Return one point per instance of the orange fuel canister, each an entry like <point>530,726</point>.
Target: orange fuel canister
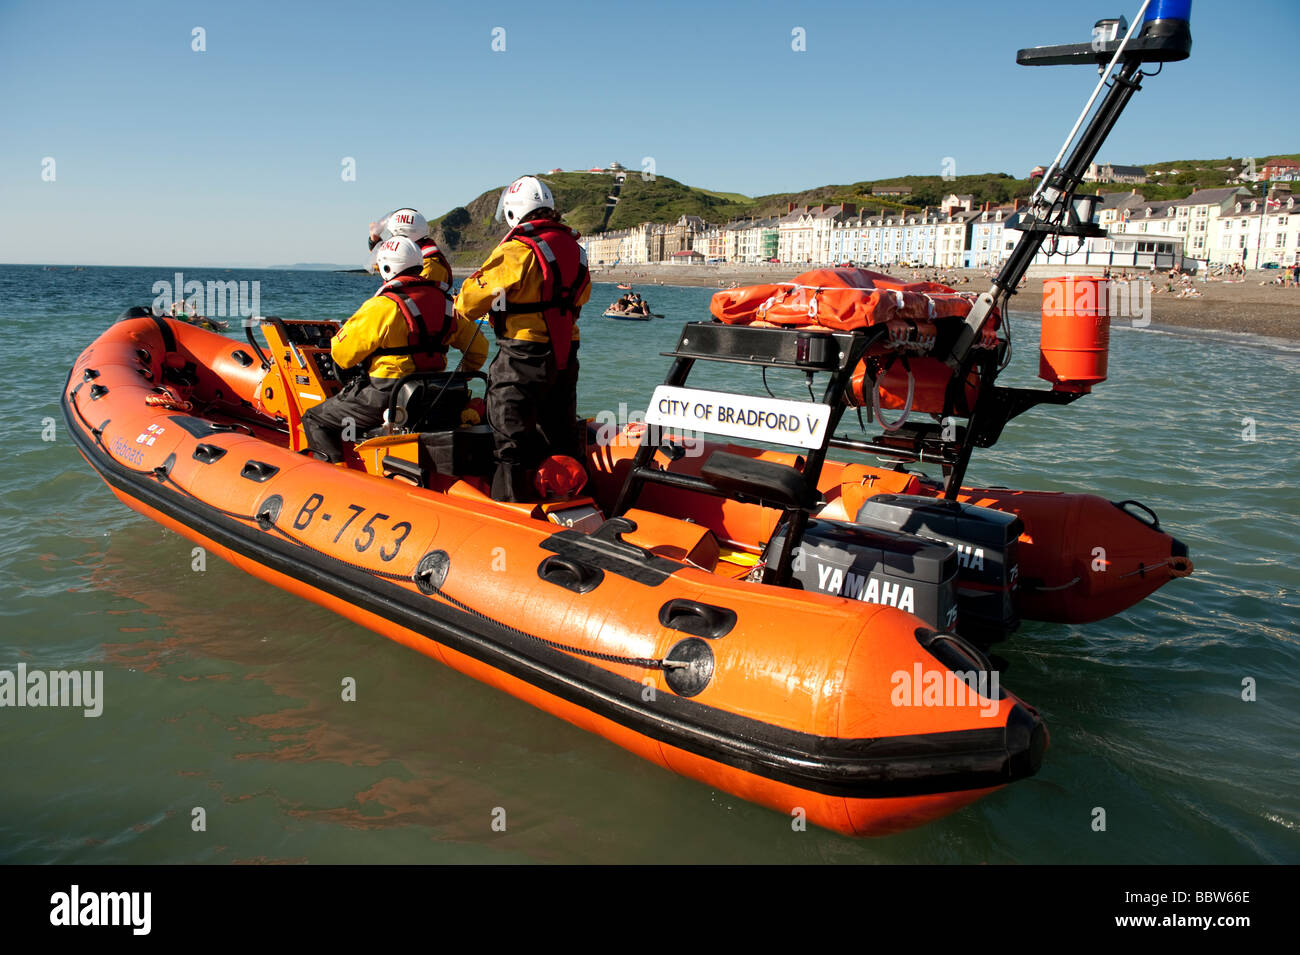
<point>1076,332</point>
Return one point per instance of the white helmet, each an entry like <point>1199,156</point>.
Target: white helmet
<point>407,222</point>
<point>394,256</point>
<point>521,197</point>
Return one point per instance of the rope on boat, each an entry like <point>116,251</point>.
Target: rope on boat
<point>907,407</point>
<point>1178,567</point>
<point>165,399</point>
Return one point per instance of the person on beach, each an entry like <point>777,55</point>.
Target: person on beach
<point>406,327</point>
<point>533,285</point>
<point>408,223</point>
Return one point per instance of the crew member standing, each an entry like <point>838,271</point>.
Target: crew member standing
<point>406,327</point>
<point>410,224</point>
<point>533,286</point>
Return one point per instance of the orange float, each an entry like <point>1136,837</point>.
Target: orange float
<point>1075,341</point>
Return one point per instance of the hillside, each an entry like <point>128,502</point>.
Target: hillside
<point>1182,177</point>
<point>467,232</point>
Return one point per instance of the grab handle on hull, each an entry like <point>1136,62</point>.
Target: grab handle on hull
<point>208,453</point>
<point>698,619</point>
<point>1154,523</point>
<point>570,574</point>
<point>258,471</point>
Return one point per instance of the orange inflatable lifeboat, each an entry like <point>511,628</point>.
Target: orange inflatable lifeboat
<point>659,633</point>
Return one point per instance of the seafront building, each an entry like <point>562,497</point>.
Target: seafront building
<point>988,249</point>
<point>756,240</point>
<point>1223,226</point>
<point>1254,234</point>
<point>794,236</point>
<point>952,237</point>
<point>1213,227</point>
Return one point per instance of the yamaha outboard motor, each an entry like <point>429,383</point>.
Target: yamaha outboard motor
<point>875,566</point>
<point>987,546</point>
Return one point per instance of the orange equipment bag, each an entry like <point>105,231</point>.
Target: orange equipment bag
<point>842,299</point>
<point>906,375</point>
<point>926,378</point>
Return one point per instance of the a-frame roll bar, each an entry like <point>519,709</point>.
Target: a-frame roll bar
<point>1165,37</point>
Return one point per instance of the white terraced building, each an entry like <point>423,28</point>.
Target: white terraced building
<point>886,240</point>
<point>825,222</point>
<point>951,239</point>
<point>849,240</point>
<point>1195,219</point>
<point>794,243</point>
<point>988,248</point>
<point>920,233</point>
<point>1158,234</point>
<point>1249,234</point>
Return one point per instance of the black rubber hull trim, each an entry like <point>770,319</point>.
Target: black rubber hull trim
<point>165,329</point>
<point>869,768</point>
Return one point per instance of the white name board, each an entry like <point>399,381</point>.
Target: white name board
<point>798,423</point>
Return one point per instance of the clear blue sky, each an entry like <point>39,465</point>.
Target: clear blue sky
<point>166,156</point>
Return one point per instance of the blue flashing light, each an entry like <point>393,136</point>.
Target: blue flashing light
<point>1169,10</point>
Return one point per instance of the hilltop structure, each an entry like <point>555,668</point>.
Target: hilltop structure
<point>1280,170</point>
<point>1103,172</point>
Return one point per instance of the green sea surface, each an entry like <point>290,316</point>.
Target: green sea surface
<point>222,693</point>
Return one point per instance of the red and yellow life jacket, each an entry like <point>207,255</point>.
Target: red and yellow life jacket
<point>430,321</point>
<point>563,263</point>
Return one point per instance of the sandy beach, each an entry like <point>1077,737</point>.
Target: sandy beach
<point>1255,305</point>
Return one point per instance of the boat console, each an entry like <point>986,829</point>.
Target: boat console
<point>300,373</point>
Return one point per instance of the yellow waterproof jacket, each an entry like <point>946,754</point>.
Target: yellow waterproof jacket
<point>436,267</point>
<point>511,269</point>
<point>379,324</point>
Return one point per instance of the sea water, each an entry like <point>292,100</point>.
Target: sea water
<point>224,735</point>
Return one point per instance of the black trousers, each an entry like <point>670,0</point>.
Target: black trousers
<point>361,402</point>
<point>532,407</point>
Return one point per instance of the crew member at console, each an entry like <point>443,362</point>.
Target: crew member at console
<point>533,286</point>
<point>406,327</point>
